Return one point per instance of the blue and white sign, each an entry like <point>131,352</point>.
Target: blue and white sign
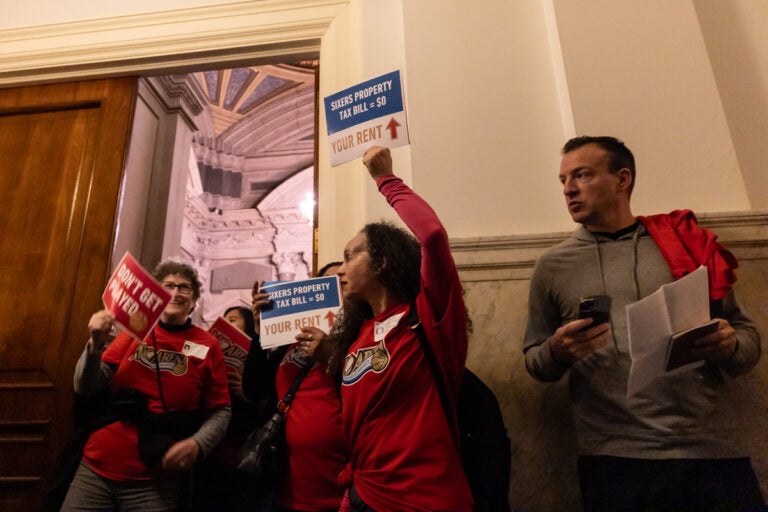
<point>365,115</point>
<point>296,304</point>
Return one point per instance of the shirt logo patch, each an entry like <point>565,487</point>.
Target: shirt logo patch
<point>359,363</point>
<point>375,359</point>
<point>297,357</point>
<point>165,360</point>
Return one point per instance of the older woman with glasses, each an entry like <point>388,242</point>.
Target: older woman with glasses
<point>170,401</point>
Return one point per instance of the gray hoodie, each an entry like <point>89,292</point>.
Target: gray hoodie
<point>677,416</point>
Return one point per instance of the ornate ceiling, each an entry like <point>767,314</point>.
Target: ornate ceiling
<point>253,155</point>
<point>256,132</point>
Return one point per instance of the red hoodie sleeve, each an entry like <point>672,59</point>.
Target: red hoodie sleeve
<point>686,245</point>
<point>438,271</point>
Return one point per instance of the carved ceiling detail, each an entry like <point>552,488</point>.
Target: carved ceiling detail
<point>251,168</point>
<point>256,131</point>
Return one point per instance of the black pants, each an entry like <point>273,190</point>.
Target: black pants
<point>617,484</point>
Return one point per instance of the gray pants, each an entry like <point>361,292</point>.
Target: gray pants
<point>91,492</point>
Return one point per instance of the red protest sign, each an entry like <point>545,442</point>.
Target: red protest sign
<point>134,297</point>
<point>234,342</point>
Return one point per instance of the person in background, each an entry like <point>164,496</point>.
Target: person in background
<point>219,485</point>
<point>242,318</point>
<point>316,448</point>
<point>403,450</point>
<point>174,382</point>
<point>670,446</point>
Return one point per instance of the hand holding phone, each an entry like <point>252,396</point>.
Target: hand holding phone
<point>596,307</point>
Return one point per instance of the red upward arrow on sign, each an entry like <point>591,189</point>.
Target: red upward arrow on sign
<point>392,127</point>
<point>331,317</point>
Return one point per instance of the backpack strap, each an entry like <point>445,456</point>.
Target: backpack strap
<point>414,322</point>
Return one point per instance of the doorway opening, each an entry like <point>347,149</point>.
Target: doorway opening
<point>222,165</point>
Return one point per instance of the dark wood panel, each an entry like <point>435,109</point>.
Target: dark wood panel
<point>61,164</point>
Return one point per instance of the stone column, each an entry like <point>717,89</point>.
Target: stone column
<point>287,264</point>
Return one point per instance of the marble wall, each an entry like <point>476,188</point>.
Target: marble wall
<point>496,275</point>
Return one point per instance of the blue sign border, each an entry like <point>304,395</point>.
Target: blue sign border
<point>301,301</point>
<point>363,102</point>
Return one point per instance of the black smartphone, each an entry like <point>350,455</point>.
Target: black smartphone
<point>596,307</point>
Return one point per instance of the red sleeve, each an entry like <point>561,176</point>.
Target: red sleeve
<point>438,271</point>
<point>440,303</point>
<point>116,350</point>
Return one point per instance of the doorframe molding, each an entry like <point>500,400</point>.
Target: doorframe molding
<point>168,41</point>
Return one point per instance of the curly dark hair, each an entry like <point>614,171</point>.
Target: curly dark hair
<point>170,267</point>
<point>396,259</point>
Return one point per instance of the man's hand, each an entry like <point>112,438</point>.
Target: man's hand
<point>378,160</point>
<point>100,327</point>
<point>576,340</point>
<point>717,347</point>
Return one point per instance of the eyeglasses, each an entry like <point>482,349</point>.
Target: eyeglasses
<point>184,289</point>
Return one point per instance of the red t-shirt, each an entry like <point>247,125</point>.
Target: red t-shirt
<point>317,452</point>
<point>403,453</point>
<point>193,376</point>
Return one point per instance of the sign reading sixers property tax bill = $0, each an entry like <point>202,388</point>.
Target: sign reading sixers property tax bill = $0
<point>296,304</point>
<point>365,115</point>
<point>134,297</point>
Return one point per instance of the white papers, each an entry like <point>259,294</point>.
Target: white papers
<point>674,307</point>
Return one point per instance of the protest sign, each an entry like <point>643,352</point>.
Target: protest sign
<point>134,297</point>
<point>234,343</point>
<point>309,303</point>
<point>365,115</point>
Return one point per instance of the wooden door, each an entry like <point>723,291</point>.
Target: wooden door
<point>62,150</point>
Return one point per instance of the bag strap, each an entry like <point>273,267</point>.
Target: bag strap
<point>157,371</point>
<point>285,404</point>
<point>414,322</point>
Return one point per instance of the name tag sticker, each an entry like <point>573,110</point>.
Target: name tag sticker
<point>381,329</point>
<point>192,349</point>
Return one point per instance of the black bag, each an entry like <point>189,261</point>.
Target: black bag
<point>264,454</point>
<point>486,450</point>
<point>485,446</point>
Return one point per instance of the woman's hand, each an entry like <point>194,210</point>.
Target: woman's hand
<point>309,338</point>
<point>181,456</point>
<point>378,160</point>
<point>100,327</point>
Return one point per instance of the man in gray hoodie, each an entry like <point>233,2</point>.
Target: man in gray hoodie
<point>669,446</point>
